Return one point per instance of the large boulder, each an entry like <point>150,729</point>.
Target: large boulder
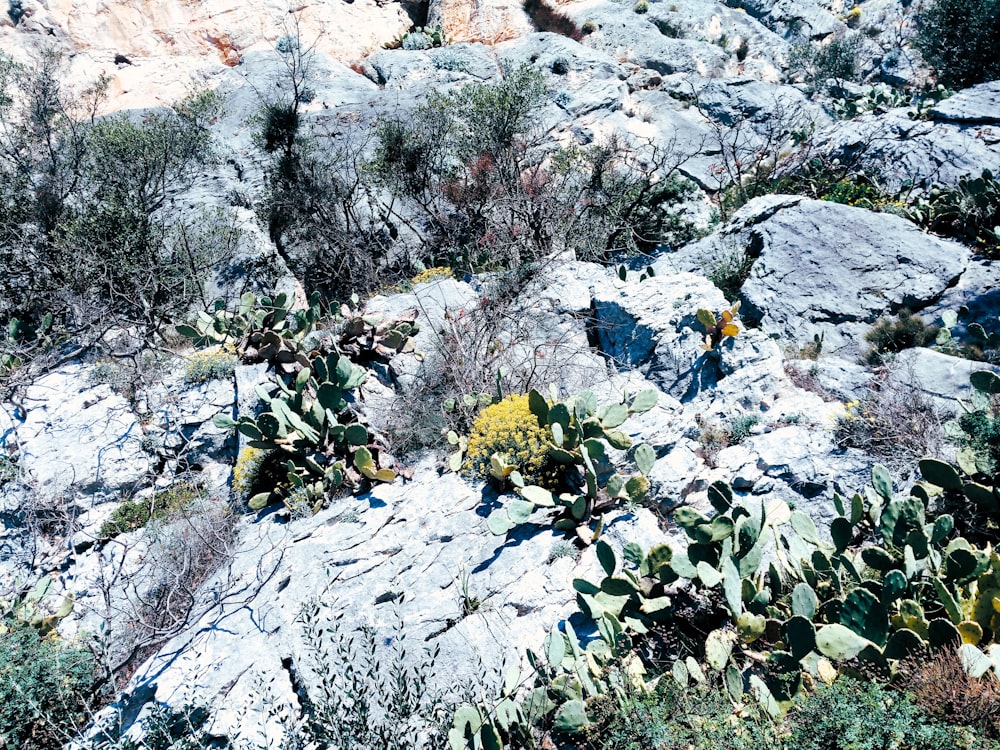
<point>823,268</point>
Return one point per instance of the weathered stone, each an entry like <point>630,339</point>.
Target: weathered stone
<point>830,269</point>
<point>979,105</point>
<point>74,433</point>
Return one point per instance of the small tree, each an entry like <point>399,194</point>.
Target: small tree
<point>960,40</point>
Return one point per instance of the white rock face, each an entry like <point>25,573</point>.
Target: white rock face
<point>154,51</point>
<point>399,553</point>
<point>71,433</point>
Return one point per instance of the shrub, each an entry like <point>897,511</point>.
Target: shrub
<point>960,39</point>
<point>668,28</point>
<point>15,11</point>
<point>858,191</point>
<point>641,6</point>
<point>134,514</point>
<point>729,273</point>
<point>889,336</point>
<point>742,427</point>
<point>44,688</point>
<point>892,421</point>
<point>246,472</point>
<point>865,716</point>
<point>371,691</point>
<point>8,468</point>
<point>676,718</point>
<point>210,364</point>
<point>945,691</point>
<point>510,429</point>
<point>836,60</point>
<point>981,429</point>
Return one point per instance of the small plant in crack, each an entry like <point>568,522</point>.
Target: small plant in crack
<point>470,603</point>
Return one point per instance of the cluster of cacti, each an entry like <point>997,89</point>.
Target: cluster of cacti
<point>507,723</point>
<point>970,210</point>
<point>975,336</point>
<point>373,337</point>
<point>419,37</point>
<point>263,329</point>
<point>311,430</point>
<point>718,327</point>
<point>28,608</point>
<point>578,434</point>
<point>978,433</point>
<point>894,581</point>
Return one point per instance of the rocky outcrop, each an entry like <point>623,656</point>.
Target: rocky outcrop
<point>822,268</point>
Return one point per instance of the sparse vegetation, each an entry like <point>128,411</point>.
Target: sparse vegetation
<point>134,514</point>
<point>45,688</point>
<point>888,336</point>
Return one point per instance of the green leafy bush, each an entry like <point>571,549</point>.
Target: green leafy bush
<point>44,688</point>
<point>85,234</point>
<point>837,60</point>
<point>960,39</point>
<point>681,718</point>
<point>866,716</point>
<point>134,514</point>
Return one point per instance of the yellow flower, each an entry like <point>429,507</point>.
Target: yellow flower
<point>510,429</point>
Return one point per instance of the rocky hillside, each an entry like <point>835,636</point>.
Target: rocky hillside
<point>742,255</point>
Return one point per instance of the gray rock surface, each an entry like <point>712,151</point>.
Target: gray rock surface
<point>399,553</point>
<point>940,378</point>
<point>830,269</point>
<point>979,105</point>
<point>74,433</point>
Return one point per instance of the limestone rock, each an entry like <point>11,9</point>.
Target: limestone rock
<point>830,269</point>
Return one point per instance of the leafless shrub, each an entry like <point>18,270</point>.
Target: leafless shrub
<point>508,343</point>
<point>151,583</point>
<point>893,421</point>
<point>943,689</point>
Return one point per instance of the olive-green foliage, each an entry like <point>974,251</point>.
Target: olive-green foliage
<point>974,342</point>
<point>84,229</point>
<point>44,688</point>
<point>889,336</point>
<point>471,161</point>
<point>371,692</point>
<point>134,514</point>
<point>837,59</point>
<point>210,365</point>
<point>968,210</point>
<point>741,427</point>
<point>311,430</point>
<point>857,715</point>
<point>960,39</point>
<point>8,468</point>
<point>676,718</point>
<point>729,272</point>
<point>856,191</point>
<point>895,580</point>
<point>166,729</point>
